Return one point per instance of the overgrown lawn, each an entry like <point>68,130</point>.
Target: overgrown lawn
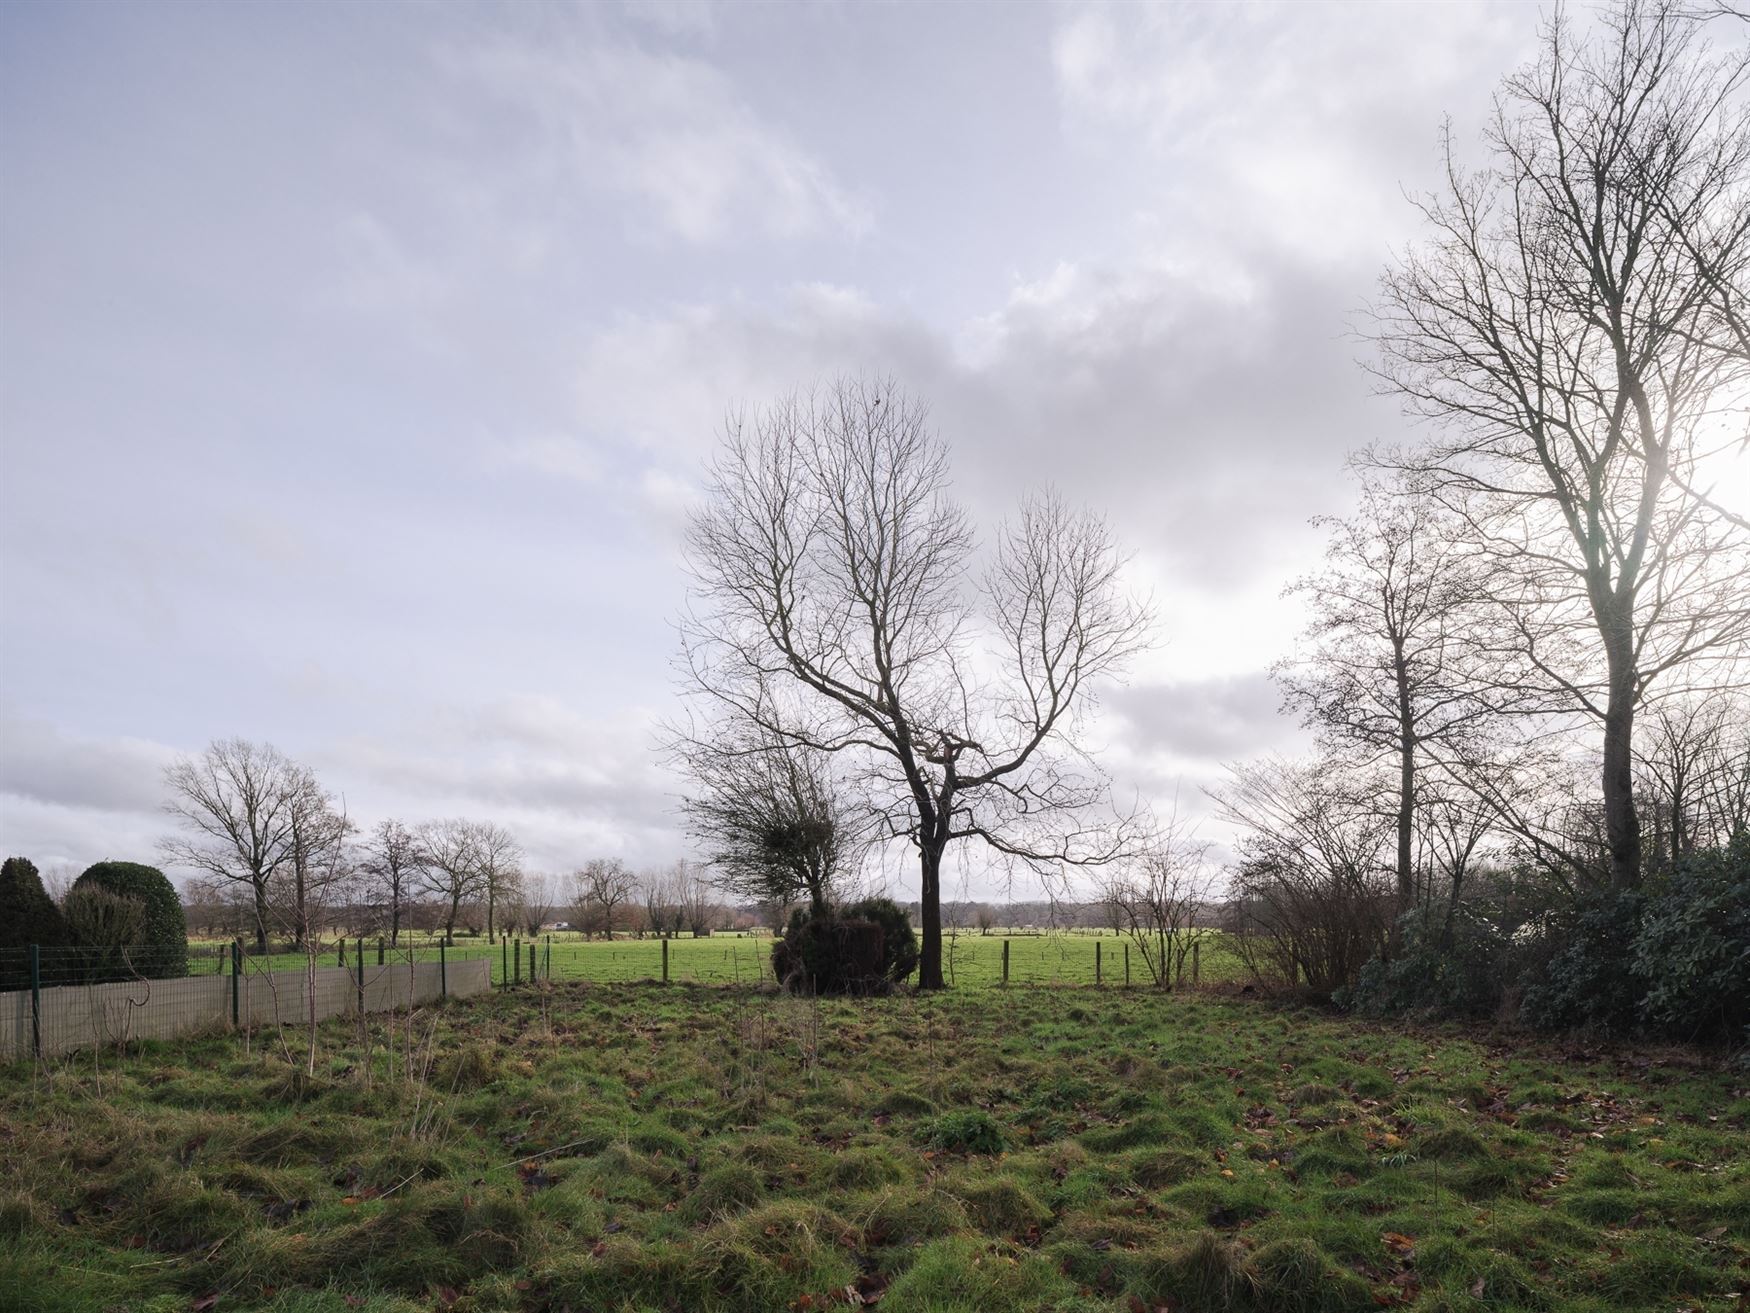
<point>640,1147</point>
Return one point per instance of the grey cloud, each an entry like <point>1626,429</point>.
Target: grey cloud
<point>1212,720</point>
<point>42,763</point>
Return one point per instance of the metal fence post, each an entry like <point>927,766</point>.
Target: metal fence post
<point>516,957</point>
<point>379,950</point>
<point>236,971</point>
<point>36,1000</point>
<point>547,959</point>
<point>503,961</point>
<point>444,972</point>
<point>665,961</point>
<point>361,966</point>
<point>531,961</point>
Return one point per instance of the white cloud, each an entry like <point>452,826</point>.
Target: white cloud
<point>669,130</point>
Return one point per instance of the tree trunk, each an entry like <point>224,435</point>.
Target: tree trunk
<point>930,907</point>
<point>260,888</point>
<point>1622,827</point>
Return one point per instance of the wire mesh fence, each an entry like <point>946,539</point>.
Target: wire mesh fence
<point>60,1000</point>
<point>55,1001</point>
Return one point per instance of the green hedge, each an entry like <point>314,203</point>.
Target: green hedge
<point>163,948</point>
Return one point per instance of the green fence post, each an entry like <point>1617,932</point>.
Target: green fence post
<point>1196,952</point>
<point>444,972</point>
<point>516,957</point>
<point>379,950</point>
<point>360,956</point>
<point>1005,961</point>
<point>236,971</point>
<point>547,959</point>
<point>36,1000</point>
<point>1127,966</point>
<point>665,961</point>
<point>503,961</point>
<point>1096,961</point>
<point>531,961</point>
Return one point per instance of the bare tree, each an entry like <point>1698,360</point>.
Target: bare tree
<point>537,896</point>
<point>450,867</point>
<point>1312,892</point>
<point>319,829</point>
<point>1570,328</point>
<point>500,858</point>
<point>391,862</point>
<point>770,817</point>
<point>1388,671</point>
<point>837,607</point>
<point>1694,766</point>
<point>602,885</point>
<point>1153,899</point>
<point>238,802</point>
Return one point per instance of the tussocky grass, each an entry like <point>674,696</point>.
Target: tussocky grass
<point>580,1147</point>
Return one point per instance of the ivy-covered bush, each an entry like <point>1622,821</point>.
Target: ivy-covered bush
<point>1693,952</point>
<point>1451,962</point>
<point>27,916</point>
<point>162,950</point>
<point>829,953</point>
<point>865,948</point>
<point>1586,982</point>
<point>899,944</point>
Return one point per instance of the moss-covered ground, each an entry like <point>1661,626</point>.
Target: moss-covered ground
<point>592,1148</point>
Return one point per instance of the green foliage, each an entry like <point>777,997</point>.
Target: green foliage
<point>1693,951</point>
<point>865,948</point>
<point>110,930</point>
<point>1450,962</point>
<point>899,945</point>
<point>1586,983</point>
<point>27,916</point>
<point>163,947</point>
<point>968,1131</point>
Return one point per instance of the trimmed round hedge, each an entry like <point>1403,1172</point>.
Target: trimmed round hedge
<point>163,947</point>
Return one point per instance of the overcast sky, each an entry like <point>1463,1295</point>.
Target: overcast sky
<point>357,361</point>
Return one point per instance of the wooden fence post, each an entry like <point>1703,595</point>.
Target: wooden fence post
<point>516,958</point>
<point>1005,961</point>
<point>531,961</point>
<point>1196,955</point>
<point>1096,961</point>
<point>236,971</point>
<point>1127,966</point>
<point>665,961</point>
<point>444,972</point>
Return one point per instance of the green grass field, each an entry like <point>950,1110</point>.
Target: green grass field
<point>649,1148</point>
<point>969,960</point>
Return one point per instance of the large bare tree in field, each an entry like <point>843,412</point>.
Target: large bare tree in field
<point>1573,326</point>
<point>839,606</point>
<point>1388,670</point>
<point>238,803</point>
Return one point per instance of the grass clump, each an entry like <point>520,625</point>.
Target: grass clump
<point>723,1191</point>
<point>1003,1206</point>
<point>968,1131</point>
